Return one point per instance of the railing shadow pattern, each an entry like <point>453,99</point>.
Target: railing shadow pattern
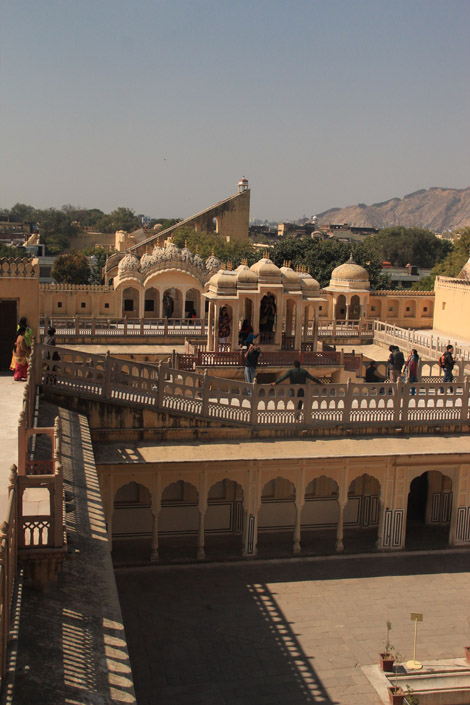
<point>199,394</point>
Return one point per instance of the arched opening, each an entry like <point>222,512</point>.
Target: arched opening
<point>355,308</point>
<point>191,304</point>
<point>375,308</point>
<point>224,328</point>
<point>429,511</point>
<point>288,335</point>
<point>172,303</point>
<point>178,522</point>
<point>340,309</point>
<point>132,524</point>
<point>223,522</point>
<point>267,318</point>
<point>276,518</point>
<point>151,307</point>
<point>361,515</point>
<point>130,302</point>
<point>319,517</point>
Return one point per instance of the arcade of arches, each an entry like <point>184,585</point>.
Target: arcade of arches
<point>275,507</point>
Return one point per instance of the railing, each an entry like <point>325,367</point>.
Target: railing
<point>426,344</point>
<point>345,329</point>
<point>275,358</point>
<point>8,561</point>
<point>194,394</point>
<point>115,327</point>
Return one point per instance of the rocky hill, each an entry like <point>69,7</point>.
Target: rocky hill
<point>436,209</point>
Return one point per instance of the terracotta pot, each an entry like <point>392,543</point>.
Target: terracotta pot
<point>467,653</point>
<point>396,695</point>
<point>386,662</point>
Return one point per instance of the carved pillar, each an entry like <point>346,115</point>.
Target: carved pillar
<point>340,530</point>
<point>210,326</point>
<point>380,531</point>
<point>250,524</point>
<point>235,324</point>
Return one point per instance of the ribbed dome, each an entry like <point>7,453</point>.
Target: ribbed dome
<point>129,263</point>
<point>223,279</point>
<point>245,276</point>
<point>171,252</point>
<point>147,261</point>
<point>198,261</point>
<point>158,251</point>
<point>290,279</point>
<point>350,271</point>
<point>308,283</point>
<point>186,255</point>
<point>213,263</point>
<point>266,270</point>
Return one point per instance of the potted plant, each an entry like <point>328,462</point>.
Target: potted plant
<point>386,657</point>
<point>396,693</point>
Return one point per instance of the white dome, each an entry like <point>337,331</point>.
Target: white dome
<point>129,263</point>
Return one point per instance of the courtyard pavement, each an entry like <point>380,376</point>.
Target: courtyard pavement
<point>287,632</point>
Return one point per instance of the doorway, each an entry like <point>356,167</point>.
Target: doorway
<point>8,323</point>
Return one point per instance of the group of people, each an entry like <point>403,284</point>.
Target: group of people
<point>397,366</point>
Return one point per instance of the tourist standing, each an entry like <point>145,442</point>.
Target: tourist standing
<point>28,334</point>
<point>297,375</point>
<point>412,367</point>
<point>20,356</point>
<point>372,374</point>
<point>251,363</point>
<point>448,363</point>
<point>395,362</point>
<point>224,325</point>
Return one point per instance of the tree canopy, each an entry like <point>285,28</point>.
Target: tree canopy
<point>402,246</point>
<point>71,269</point>
<point>322,256</point>
<point>121,218</point>
<point>452,264</point>
<point>206,243</point>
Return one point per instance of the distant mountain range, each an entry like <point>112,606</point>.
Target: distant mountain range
<point>436,209</point>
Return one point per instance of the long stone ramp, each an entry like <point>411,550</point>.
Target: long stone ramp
<point>72,647</point>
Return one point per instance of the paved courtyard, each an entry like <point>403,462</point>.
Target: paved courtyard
<point>287,632</point>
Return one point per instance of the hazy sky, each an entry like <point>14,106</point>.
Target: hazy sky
<point>162,105</point>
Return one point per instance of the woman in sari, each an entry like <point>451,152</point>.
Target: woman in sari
<point>20,356</point>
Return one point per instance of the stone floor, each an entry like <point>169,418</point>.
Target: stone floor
<point>287,632</point>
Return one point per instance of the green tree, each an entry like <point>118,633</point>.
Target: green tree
<point>87,217</point>
<point>100,255</point>
<point>402,246</point>
<point>206,243</point>
<point>15,252</point>
<point>56,229</point>
<point>452,265</point>
<point>121,218</point>
<point>321,257</point>
<point>71,269</point>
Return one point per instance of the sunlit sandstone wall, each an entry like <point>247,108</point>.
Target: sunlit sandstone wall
<point>452,307</point>
<point>19,282</point>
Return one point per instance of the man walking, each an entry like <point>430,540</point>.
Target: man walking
<point>297,375</point>
<point>448,364</point>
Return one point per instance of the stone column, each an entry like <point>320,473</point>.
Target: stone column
<point>154,557</point>
<point>340,530</point>
<point>210,324</point>
<point>201,554</point>
<point>305,330</point>
<point>380,530</point>
<point>255,302</point>
<point>235,324</point>
<point>297,530</point>
<point>141,311</point>
<point>298,326</point>
<point>347,310</point>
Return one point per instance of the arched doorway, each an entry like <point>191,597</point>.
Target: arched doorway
<point>132,524</point>
<point>319,517</point>
<point>151,307</point>
<point>191,304</point>
<point>355,308</point>
<point>276,518</point>
<point>267,318</point>
<point>340,310</point>
<point>429,511</point>
<point>223,523</point>
<point>130,303</point>
<point>361,515</point>
<point>178,522</point>
<point>172,303</point>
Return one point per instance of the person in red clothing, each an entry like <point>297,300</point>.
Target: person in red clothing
<point>412,367</point>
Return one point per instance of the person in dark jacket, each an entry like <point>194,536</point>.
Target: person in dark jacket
<point>449,362</point>
<point>372,374</point>
<point>251,362</point>
<point>297,375</point>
